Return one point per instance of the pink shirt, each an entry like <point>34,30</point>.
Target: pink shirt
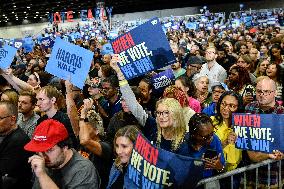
<point>194,104</point>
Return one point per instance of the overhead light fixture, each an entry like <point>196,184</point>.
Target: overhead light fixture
<point>40,17</point>
<point>25,12</point>
<point>16,18</point>
<point>14,6</point>
<point>37,12</point>
<point>28,7</point>
<point>26,17</point>
<point>3,14</point>
<point>47,12</point>
<point>35,17</point>
<point>13,12</point>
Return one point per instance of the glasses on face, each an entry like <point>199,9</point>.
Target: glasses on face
<point>162,113</point>
<point>196,67</point>
<point>232,107</point>
<point>264,92</point>
<point>5,117</point>
<point>207,137</point>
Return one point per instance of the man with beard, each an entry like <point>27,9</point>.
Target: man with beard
<point>110,91</point>
<point>27,118</point>
<point>56,165</point>
<point>212,69</point>
<point>177,69</point>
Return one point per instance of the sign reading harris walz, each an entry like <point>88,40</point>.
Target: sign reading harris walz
<point>143,49</point>
<point>259,132</point>
<point>69,61</point>
<point>152,167</point>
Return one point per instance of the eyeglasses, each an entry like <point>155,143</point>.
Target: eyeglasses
<point>232,107</point>
<point>264,92</point>
<point>206,138</point>
<point>162,113</point>
<point>193,66</point>
<point>5,117</point>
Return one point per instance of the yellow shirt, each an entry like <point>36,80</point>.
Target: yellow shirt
<point>233,156</point>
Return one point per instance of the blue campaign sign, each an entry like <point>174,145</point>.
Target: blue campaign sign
<point>1,42</point>
<point>151,167</point>
<point>161,80</point>
<point>7,54</point>
<point>248,21</point>
<point>259,132</point>
<point>47,42</point>
<point>69,61</point>
<point>167,25</point>
<point>18,43</point>
<point>107,49</point>
<point>143,49</point>
<point>191,25</point>
<point>28,44</point>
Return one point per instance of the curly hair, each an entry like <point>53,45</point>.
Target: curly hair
<point>174,92</point>
<point>243,78</point>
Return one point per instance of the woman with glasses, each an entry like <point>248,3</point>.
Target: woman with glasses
<point>229,103</point>
<point>239,81</point>
<point>203,143</point>
<point>168,130</point>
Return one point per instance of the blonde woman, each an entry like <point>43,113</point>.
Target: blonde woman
<point>168,130</point>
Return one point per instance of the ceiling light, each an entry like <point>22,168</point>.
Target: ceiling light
<point>40,17</point>
<point>47,12</point>
<point>3,14</point>
<point>37,12</point>
<point>25,12</point>
<point>35,17</point>
<point>28,7</point>
<point>14,6</point>
<point>26,17</point>
<point>16,18</point>
<point>13,12</point>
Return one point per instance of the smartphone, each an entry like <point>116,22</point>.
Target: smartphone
<point>210,154</point>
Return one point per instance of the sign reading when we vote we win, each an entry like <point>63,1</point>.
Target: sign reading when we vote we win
<point>143,49</point>
<point>151,167</point>
<point>69,61</point>
<point>259,132</point>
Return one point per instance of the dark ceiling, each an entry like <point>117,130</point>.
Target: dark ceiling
<point>14,12</point>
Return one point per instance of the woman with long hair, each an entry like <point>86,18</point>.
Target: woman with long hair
<point>273,72</point>
<point>239,81</point>
<point>261,68</point>
<point>123,145</point>
<point>229,103</point>
<point>168,130</point>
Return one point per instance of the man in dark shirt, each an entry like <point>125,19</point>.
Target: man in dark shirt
<point>14,168</point>
<point>49,101</point>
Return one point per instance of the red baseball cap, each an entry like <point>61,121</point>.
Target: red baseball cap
<point>46,135</point>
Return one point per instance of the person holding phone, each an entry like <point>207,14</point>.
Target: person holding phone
<point>203,143</point>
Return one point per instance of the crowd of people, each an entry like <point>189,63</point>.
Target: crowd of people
<point>54,135</point>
